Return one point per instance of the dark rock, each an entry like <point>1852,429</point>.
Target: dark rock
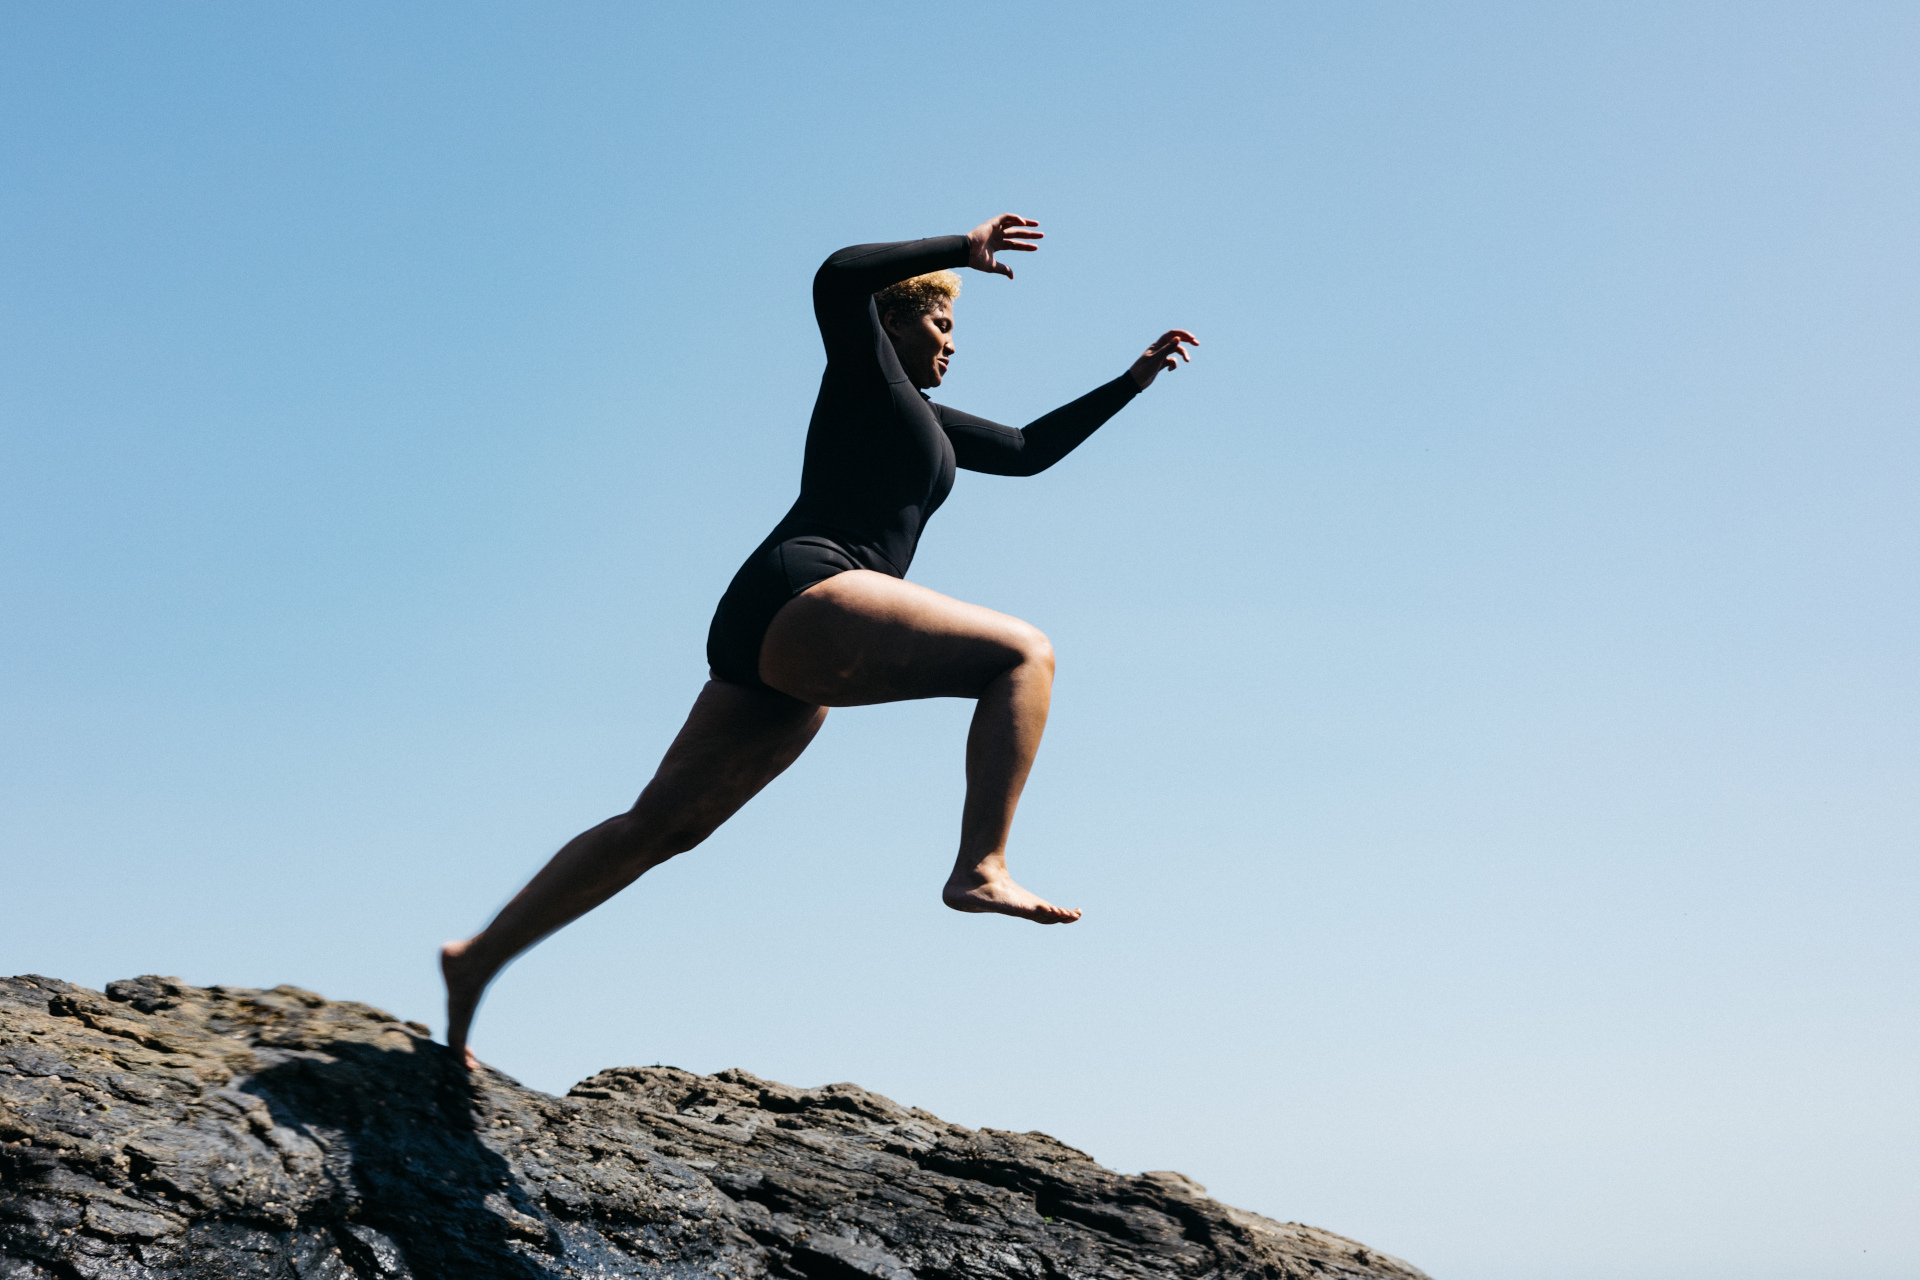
<point>161,1131</point>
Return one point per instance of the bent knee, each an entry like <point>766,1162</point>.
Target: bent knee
<point>673,844</point>
<point>646,844</point>
<point>1034,649</point>
<point>676,841</point>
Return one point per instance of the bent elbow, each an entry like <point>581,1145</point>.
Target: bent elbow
<point>839,270</point>
<point>827,281</point>
<point>832,280</point>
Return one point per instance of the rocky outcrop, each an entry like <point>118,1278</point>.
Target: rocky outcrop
<point>163,1130</point>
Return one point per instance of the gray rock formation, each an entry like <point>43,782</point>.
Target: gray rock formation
<point>162,1130</point>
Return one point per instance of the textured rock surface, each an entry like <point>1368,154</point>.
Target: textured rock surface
<point>162,1130</point>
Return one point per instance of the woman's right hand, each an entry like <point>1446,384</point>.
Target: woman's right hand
<point>997,234</point>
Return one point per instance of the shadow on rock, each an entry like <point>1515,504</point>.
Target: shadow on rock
<point>171,1132</point>
<point>419,1191</point>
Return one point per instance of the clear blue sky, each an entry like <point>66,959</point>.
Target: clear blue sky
<point>1486,742</point>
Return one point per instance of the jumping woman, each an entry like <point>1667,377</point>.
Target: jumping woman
<point>821,614</point>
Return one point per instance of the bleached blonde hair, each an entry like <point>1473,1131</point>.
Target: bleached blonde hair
<point>919,295</point>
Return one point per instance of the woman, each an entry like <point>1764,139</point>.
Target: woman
<point>821,615</point>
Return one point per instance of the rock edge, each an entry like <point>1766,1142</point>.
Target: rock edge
<point>160,1130</point>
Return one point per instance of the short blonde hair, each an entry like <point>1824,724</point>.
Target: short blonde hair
<point>919,295</point>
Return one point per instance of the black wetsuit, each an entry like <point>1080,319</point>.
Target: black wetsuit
<point>880,455</point>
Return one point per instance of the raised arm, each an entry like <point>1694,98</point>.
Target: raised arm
<point>980,445</point>
<point>848,280</point>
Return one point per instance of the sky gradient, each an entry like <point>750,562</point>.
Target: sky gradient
<point>1486,738</point>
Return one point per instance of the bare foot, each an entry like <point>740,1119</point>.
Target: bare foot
<point>994,890</point>
<point>465,985</point>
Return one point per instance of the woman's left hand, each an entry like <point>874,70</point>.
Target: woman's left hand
<point>996,236</point>
<point>1161,355</point>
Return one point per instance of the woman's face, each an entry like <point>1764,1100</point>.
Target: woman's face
<point>924,343</point>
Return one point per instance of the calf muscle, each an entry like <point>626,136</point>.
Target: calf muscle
<point>862,637</point>
<point>735,742</point>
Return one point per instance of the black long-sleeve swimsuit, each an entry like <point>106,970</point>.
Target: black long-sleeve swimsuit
<point>880,456</point>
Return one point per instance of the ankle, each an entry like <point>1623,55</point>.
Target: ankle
<point>980,870</point>
<point>467,955</point>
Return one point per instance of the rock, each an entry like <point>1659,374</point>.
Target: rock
<point>161,1131</point>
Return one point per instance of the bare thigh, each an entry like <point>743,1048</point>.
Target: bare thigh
<point>735,741</point>
<point>862,637</point>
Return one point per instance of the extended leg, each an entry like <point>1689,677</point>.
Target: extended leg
<point>735,741</point>
<point>862,637</point>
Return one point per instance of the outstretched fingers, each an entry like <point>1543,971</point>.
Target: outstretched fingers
<point>1006,231</point>
<point>1165,352</point>
<point>1014,233</point>
<point>1169,344</point>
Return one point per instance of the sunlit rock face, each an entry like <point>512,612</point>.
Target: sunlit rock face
<point>162,1130</point>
